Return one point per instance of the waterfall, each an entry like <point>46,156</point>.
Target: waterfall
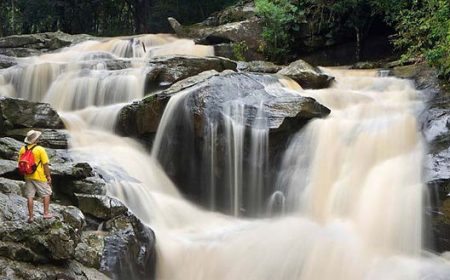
<point>348,198</point>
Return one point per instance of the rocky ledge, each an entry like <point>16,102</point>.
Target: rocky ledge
<point>435,122</point>
<point>92,235</point>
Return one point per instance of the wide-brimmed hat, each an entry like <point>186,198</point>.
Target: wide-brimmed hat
<point>32,136</point>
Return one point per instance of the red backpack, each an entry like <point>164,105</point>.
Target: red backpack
<point>27,163</point>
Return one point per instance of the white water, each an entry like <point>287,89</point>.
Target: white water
<point>350,183</point>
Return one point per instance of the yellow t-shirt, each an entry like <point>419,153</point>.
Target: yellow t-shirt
<point>41,158</point>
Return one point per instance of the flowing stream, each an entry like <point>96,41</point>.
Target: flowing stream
<point>349,187</point>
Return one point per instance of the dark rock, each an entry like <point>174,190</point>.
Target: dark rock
<point>17,113</point>
<point>19,52</point>
<point>129,250</point>
<point>306,75</point>
<point>100,206</point>
<point>435,127</point>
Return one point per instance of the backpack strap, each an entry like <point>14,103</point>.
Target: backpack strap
<point>31,149</point>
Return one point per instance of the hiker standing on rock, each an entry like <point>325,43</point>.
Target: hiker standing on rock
<point>33,164</point>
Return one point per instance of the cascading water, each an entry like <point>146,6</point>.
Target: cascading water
<point>349,194</point>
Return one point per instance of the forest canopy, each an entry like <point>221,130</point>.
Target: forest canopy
<point>419,29</point>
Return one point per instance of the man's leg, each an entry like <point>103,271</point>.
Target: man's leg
<point>29,192</point>
<point>30,209</point>
<point>46,200</point>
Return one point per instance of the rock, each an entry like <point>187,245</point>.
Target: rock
<point>8,168</point>
<point>52,138</point>
<point>17,270</point>
<point>89,250</point>
<point>170,69</point>
<point>6,61</point>
<point>238,12</point>
<point>259,67</point>
<point>8,186</point>
<point>100,206</point>
<point>435,127</point>
<point>306,75</point>
<point>41,241</point>
<point>34,44</point>
<point>208,98</point>
<point>141,119</point>
<point>129,250</point>
<point>17,113</point>
<point>247,32</point>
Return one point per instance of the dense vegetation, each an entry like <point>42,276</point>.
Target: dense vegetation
<point>99,17</point>
<point>420,29</point>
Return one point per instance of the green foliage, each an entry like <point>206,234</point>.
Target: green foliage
<point>278,16</point>
<point>98,17</point>
<point>423,32</point>
<point>239,50</point>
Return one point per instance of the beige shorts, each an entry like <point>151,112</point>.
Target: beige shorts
<point>31,187</point>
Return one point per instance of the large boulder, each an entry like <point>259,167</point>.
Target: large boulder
<point>167,70</point>
<point>207,101</point>
<point>124,248</point>
<point>18,113</point>
<point>245,35</point>
<point>306,75</point>
<point>35,44</point>
<point>42,241</point>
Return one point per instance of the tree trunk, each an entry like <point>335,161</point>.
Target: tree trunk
<point>358,44</point>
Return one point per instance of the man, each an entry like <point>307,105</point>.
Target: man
<point>40,180</point>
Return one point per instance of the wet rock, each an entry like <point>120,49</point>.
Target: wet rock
<point>52,138</point>
<point>306,75</point>
<point>100,206</point>
<point>129,250</point>
<point>141,118</point>
<point>435,127</point>
<point>17,113</point>
<point>7,61</point>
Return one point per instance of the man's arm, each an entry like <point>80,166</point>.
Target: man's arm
<point>47,173</point>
